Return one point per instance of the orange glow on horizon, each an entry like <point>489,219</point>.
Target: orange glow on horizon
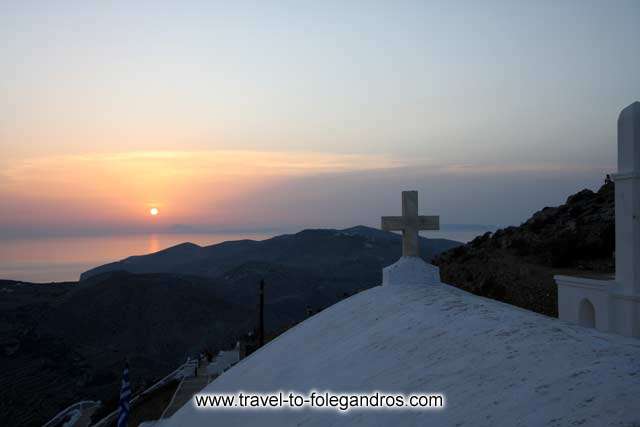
<point>107,188</point>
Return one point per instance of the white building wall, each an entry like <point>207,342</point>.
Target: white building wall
<point>625,314</point>
<point>573,290</point>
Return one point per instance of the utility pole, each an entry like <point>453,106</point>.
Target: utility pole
<point>261,324</point>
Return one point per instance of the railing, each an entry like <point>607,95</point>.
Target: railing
<point>173,398</point>
<point>185,370</point>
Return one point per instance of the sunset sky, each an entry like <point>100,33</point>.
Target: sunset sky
<point>262,115</point>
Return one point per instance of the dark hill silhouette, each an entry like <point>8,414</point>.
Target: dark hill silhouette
<point>68,342</point>
<point>313,250</point>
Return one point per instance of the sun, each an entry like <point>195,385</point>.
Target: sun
<point>154,211</point>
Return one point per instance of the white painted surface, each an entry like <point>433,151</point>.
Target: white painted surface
<point>628,201</point>
<point>223,361</point>
<point>629,139</point>
<point>572,291</point>
<point>410,270</point>
<point>498,365</point>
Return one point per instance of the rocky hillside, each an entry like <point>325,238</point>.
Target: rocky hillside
<point>516,264</point>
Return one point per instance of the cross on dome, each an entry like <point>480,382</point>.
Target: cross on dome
<point>410,223</point>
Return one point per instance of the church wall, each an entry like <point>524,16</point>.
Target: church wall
<point>627,234</point>
<point>573,290</point>
<point>625,315</point>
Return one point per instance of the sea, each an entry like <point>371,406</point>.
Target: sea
<point>61,259</point>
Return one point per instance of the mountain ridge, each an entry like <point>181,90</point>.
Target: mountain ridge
<point>289,249</point>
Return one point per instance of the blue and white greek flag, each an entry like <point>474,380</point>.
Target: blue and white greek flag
<point>125,398</point>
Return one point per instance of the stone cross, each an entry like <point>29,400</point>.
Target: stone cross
<point>410,223</point>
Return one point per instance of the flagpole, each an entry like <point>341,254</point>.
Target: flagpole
<point>124,406</point>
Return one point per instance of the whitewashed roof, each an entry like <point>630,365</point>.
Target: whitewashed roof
<point>496,364</point>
